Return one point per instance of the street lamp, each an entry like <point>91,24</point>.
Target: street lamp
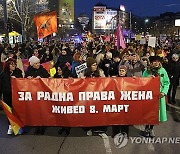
<point>146,21</point>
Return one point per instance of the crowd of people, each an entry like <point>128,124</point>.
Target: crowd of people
<point>103,59</point>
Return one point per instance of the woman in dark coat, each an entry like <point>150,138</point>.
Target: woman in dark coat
<point>35,70</point>
<point>10,70</point>
<point>91,72</point>
<point>47,56</point>
<point>64,73</point>
<point>123,129</point>
<point>63,59</point>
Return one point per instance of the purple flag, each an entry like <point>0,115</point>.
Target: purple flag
<point>120,38</point>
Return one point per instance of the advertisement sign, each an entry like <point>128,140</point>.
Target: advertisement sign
<point>104,18</point>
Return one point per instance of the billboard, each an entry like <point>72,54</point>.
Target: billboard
<point>177,22</point>
<point>66,11</point>
<point>104,18</point>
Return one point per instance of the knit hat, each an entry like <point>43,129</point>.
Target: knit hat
<point>123,67</point>
<point>90,61</point>
<point>33,60</point>
<point>155,58</point>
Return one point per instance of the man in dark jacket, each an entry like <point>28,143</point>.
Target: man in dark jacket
<point>174,74</point>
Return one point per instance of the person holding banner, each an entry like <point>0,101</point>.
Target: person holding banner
<point>92,69</point>
<point>62,73</point>
<point>10,70</point>
<point>35,70</point>
<point>124,129</point>
<point>155,70</point>
<point>135,66</point>
<point>91,72</point>
<point>77,60</point>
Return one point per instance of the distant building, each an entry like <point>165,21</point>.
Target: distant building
<point>165,24</point>
<point>66,13</point>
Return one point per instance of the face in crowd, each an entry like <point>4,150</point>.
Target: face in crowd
<point>12,66</point>
<point>36,53</point>
<point>94,67</point>
<point>166,60</point>
<point>36,65</point>
<point>80,58</point>
<point>147,54</point>
<point>116,59</point>
<point>175,57</point>
<point>156,63</point>
<point>47,51</point>
<point>59,71</point>
<point>6,50</point>
<point>134,58</point>
<point>64,52</point>
<point>122,72</point>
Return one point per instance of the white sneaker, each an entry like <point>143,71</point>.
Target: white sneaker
<point>89,133</point>
<point>10,131</point>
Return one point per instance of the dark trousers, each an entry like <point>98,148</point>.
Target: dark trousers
<point>172,88</point>
<point>120,129</point>
<point>99,128</point>
<point>7,98</point>
<point>149,127</point>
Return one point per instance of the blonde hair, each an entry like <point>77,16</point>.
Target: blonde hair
<point>99,57</point>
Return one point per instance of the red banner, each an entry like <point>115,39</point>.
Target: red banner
<point>86,102</point>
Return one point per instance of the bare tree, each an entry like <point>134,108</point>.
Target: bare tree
<point>23,11</point>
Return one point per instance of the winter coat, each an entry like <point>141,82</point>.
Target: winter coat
<point>74,64</point>
<point>135,69</point>
<point>164,87</point>
<point>62,60</point>
<point>174,72</point>
<point>114,69</point>
<point>105,66</point>
<point>46,58</point>
<point>5,84</point>
<point>42,72</point>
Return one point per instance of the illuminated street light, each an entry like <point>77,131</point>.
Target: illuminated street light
<point>122,8</point>
<point>147,20</point>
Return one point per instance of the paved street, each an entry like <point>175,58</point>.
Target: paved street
<point>78,143</point>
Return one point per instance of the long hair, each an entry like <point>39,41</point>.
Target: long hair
<point>8,63</point>
<point>89,73</point>
<point>76,57</point>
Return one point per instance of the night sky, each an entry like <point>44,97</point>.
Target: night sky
<point>138,7</point>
